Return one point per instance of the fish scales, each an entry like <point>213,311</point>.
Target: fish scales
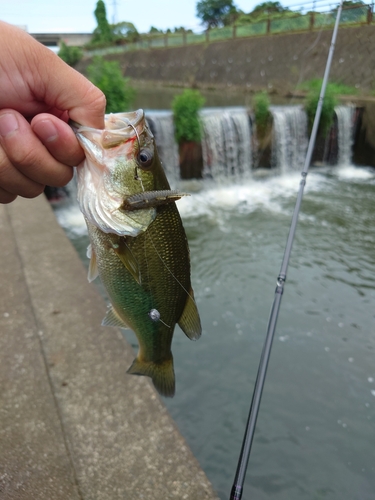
<point>147,276</point>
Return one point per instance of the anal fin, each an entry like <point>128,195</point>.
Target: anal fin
<point>190,322</point>
<point>113,319</point>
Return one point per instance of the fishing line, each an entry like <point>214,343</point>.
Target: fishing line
<point>167,268</point>
<point>237,488</point>
<point>153,312</point>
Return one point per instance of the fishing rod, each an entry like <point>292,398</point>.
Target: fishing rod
<point>237,488</point>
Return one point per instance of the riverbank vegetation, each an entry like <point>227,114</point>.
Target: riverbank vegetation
<point>333,91</point>
<point>261,107</point>
<point>186,107</point>
<point>222,19</point>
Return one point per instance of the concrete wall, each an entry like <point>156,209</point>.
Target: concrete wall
<point>276,62</point>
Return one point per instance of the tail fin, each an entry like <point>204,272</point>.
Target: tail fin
<point>162,374</point>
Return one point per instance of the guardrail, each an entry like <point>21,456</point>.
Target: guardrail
<point>286,22</point>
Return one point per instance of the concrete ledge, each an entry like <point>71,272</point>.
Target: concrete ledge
<point>73,425</point>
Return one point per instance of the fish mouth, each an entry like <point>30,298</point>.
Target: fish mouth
<point>118,128</point>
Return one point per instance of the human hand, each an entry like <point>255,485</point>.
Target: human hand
<point>39,94</point>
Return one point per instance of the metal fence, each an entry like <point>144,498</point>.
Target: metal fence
<point>309,16</point>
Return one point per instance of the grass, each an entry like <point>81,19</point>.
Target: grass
<point>333,87</point>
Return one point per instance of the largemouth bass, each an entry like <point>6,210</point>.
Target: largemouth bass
<point>138,243</point>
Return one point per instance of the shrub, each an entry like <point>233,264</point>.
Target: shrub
<point>261,110</point>
<point>108,77</point>
<point>328,109</point>
<point>71,55</point>
<point>185,113</point>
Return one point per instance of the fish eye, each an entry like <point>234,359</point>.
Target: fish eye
<point>145,158</point>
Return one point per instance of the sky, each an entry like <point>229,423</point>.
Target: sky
<point>77,16</point>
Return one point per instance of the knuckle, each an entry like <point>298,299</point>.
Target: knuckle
<point>67,177</point>
<point>6,198</point>
<point>23,157</point>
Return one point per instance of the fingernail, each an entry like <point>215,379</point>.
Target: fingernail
<point>8,124</point>
<point>45,130</point>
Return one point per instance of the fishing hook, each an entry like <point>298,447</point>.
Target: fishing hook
<point>136,177</point>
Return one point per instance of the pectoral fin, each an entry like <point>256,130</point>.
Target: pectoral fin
<point>127,257</point>
<point>190,322</point>
<point>113,319</point>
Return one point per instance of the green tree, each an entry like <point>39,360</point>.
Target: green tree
<point>215,13</point>
<point>268,8</point>
<point>155,30</point>
<point>124,31</point>
<point>103,32</point>
<point>70,54</point>
<point>181,29</point>
<point>185,108</point>
<point>108,77</point>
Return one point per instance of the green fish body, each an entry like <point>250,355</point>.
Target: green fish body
<point>142,257</point>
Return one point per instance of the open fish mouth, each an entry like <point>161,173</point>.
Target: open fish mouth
<point>118,128</point>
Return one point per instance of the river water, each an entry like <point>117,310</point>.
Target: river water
<point>316,428</point>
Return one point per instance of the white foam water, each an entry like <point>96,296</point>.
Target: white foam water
<point>267,194</point>
<point>345,134</point>
<point>351,172</point>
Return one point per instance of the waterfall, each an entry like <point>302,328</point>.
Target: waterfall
<point>226,143</point>
<point>289,137</point>
<point>161,124</point>
<point>345,134</point>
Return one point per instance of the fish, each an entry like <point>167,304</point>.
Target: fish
<point>138,245</point>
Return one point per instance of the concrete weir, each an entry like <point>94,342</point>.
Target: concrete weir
<point>73,425</point>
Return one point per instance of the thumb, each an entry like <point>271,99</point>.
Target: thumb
<point>69,90</point>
